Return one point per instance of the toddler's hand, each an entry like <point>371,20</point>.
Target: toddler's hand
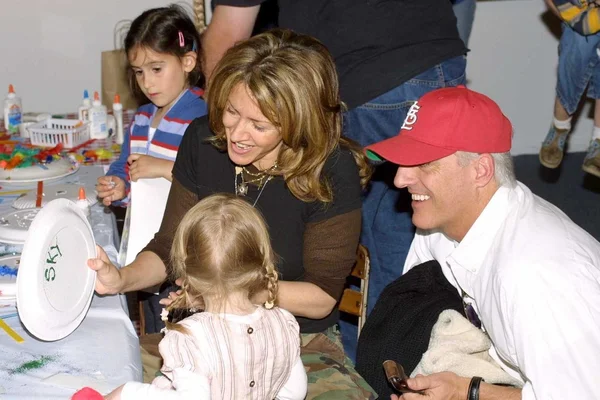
<point>115,394</point>
<point>142,166</point>
<point>110,188</point>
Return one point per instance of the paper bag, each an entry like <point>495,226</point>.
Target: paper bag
<point>114,72</point>
<point>143,219</point>
<point>114,80</point>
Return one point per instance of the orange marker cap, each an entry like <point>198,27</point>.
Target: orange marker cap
<point>11,89</point>
<point>117,99</point>
<point>82,195</point>
<point>96,96</point>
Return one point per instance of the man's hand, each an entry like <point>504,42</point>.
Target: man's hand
<point>110,188</point>
<point>441,386</point>
<point>142,166</point>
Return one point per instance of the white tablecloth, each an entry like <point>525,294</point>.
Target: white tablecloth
<point>103,351</point>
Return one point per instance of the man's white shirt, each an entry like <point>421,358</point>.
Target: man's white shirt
<point>533,276</point>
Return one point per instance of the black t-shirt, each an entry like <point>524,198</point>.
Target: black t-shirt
<point>204,170</point>
<point>377,44</point>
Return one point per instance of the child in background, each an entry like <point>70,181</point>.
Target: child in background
<point>234,349</point>
<point>578,69</point>
<point>162,48</point>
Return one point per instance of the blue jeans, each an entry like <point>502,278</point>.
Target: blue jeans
<point>387,229</point>
<point>464,10</point>
<point>578,67</point>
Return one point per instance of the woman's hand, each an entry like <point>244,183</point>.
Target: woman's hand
<point>197,302</point>
<point>142,166</point>
<point>108,278</point>
<point>110,188</point>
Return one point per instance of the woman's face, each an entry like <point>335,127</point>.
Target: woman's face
<point>251,137</point>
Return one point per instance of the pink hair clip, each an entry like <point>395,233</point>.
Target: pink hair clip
<point>181,40</point>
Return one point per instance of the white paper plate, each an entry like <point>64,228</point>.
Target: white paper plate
<point>8,277</point>
<point>46,172</point>
<point>15,225</point>
<point>68,191</point>
<point>54,284</point>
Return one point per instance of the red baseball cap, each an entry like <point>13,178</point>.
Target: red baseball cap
<point>443,122</point>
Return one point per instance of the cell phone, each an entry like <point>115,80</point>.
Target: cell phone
<point>397,377</point>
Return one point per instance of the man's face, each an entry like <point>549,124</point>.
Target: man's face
<point>443,195</point>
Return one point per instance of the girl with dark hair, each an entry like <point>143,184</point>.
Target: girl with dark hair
<point>162,48</point>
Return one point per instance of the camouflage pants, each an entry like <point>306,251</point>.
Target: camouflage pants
<point>331,374</point>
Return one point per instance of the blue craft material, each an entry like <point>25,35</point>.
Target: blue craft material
<point>5,270</point>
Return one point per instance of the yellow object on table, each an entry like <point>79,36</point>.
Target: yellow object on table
<point>10,332</point>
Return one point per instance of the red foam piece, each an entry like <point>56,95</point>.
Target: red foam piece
<point>87,393</point>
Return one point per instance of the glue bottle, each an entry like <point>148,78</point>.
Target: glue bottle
<point>82,203</point>
<point>118,114</point>
<point>84,108</point>
<point>13,111</point>
<point>98,118</point>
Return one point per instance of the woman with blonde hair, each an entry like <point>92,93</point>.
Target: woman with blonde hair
<point>273,138</point>
<point>234,349</point>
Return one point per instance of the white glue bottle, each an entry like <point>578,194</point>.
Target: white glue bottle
<point>13,111</point>
<point>84,108</point>
<point>82,202</point>
<point>118,114</point>
<point>98,119</point>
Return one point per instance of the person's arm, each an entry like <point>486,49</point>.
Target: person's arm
<point>551,322</point>
<point>329,254</point>
<point>186,386</point>
<point>149,267</point>
<point>296,386</point>
<point>120,168</point>
<point>228,26</point>
<point>449,386</point>
<point>553,312</point>
<point>144,167</point>
<point>552,7</point>
<point>582,17</point>
<point>183,366</point>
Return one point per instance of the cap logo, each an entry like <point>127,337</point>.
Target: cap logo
<point>411,116</point>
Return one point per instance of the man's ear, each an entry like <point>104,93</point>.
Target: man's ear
<point>189,61</point>
<point>485,169</point>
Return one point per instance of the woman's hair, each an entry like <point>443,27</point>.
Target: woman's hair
<point>222,245</point>
<point>292,78</point>
<point>159,29</point>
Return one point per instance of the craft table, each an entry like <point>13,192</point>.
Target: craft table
<point>98,144</point>
<point>102,352</point>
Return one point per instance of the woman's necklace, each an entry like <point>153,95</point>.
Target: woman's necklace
<point>241,187</point>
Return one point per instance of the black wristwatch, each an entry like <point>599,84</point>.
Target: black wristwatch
<point>473,393</point>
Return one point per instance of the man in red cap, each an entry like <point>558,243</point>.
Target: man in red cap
<point>527,273</point>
